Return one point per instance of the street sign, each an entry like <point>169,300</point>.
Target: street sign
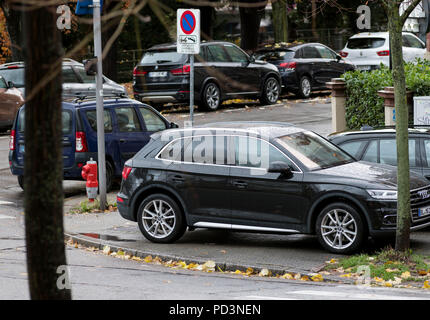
<point>188,31</point>
<point>86,7</point>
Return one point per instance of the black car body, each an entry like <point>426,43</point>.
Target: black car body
<point>221,71</point>
<point>303,179</point>
<point>379,146</point>
<point>304,67</point>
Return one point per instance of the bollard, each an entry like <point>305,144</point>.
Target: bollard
<point>389,106</point>
<point>89,173</point>
<point>338,103</point>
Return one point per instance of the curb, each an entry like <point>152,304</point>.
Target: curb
<point>224,266</point>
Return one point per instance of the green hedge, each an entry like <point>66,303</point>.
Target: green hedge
<point>364,106</point>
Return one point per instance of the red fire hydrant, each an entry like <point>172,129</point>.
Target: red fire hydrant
<point>89,173</point>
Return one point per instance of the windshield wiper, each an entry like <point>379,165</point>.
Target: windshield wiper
<point>163,61</point>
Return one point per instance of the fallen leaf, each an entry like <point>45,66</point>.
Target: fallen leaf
<point>304,278</point>
<point>346,275</point>
<point>391,270</point>
<point>378,279</point>
<point>264,273</point>
<point>317,278</point>
<point>422,272</point>
<point>148,259</point>
<point>406,275</point>
<point>426,284</point>
<point>249,271</point>
<point>288,276</point>
<point>106,250</point>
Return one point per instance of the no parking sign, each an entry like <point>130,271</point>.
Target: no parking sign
<point>188,31</point>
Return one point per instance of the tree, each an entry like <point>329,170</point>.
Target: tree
<point>395,26</point>
<point>14,28</point>
<point>43,170</point>
<point>251,12</point>
<point>280,20</point>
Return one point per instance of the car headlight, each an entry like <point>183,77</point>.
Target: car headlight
<point>383,194</point>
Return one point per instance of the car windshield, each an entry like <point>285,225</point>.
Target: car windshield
<point>275,55</point>
<point>365,43</point>
<point>16,75</point>
<point>159,57</point>
<point>313,151</point>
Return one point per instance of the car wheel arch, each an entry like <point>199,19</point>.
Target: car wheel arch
<point>145,192</point>
<point>328,199</point>
<point>214,80</point>
<point>267,76</point>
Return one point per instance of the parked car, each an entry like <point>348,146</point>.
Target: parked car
<point>379,146</point>
<point>304,67</point>
<point>262,177</point>
<point>368,50</point>
<point>221,71</point>
<point>10,101</point>
<point>127,123</point>
<point>75,79</point>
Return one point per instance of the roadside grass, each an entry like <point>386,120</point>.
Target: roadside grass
<point>387,267</point>
<point>92,207</point>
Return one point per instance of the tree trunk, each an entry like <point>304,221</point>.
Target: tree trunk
<point>314,20</point>
<point>110,60</point>
<point>43,172</point>
<point>280,20</point>
<point>403,185</point>
<point>207,16</point>
<point>250,18</point>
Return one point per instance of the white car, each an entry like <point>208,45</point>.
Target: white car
<point>368,50</point>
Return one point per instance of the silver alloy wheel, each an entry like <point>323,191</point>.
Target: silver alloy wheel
<point>212,96</point>
<point>272,90</point>
<point>158,219</point>
<point>306,87</point>
<point>339,229</point>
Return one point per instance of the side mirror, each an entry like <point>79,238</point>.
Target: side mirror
<point>10,84</point>
<point>90,66</point>
<point>280,167</point>
<point>251,59</point>
<point>338,57</point>
<point>173,125</point>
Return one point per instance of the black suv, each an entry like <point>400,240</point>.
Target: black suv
<point>379,145</point>
<point>304,67</point>
<point>222,71</point>
<point>262,177</point>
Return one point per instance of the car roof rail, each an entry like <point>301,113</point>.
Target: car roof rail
<point>366,128</point>
<point>80,97</point>
<point>12,63</point>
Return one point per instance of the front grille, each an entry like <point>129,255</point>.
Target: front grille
<point>420,198</point>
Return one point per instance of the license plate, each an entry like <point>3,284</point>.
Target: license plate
<point>365,68</point>
<point>423,211</point>
<point>159,74</point>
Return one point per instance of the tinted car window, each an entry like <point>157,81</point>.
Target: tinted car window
<point>127,120</point>
<point>216,53</point>
<point>412,42</point>
<point>325,53</point>
<point>275,55</point>
<point>310,52</point>
<point>92,120</point>
<point>252,152</point>
<point>427,151</point>
<point>152,121</point>
<point>353,147</point>
<point>371,154</point>
<point>85,78</point>
<point>66,121</point>
<point>388,152</point>
<point>165,56</point>
<point>236,54</point>
<point>365,43</point>
<point>313,151</point>
<point>69,76</point>
<point>14,75</point>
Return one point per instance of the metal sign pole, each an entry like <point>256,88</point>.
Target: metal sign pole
<point>191,88</point>
<point>99,103</point>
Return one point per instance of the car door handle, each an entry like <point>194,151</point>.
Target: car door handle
<point>122,140</point>
<point>178,179</point>
<point>240,184</point>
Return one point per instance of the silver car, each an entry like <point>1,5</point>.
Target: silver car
<point>75,80</point>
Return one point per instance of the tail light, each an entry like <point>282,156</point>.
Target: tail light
<point>343,54</point>
<point>125,172</point>
<point>181,71</point>
<point>13,67</point>
<point>12,140</point>
<point>384,53</point>
<point>288,65</point>
<point>137,72</point>
<point>81,142</point>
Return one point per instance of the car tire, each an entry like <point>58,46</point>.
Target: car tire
<point>110,176</point>
<point>211,97</point>
<point>340,228</point>
<point>305,87</point>
<point>271,91</point>
<point>21,181</point>
<point>153,222</point>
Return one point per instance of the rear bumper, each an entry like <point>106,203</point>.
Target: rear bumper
<point>163,96</point>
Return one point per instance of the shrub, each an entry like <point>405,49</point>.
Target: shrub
<point>364,106</point>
